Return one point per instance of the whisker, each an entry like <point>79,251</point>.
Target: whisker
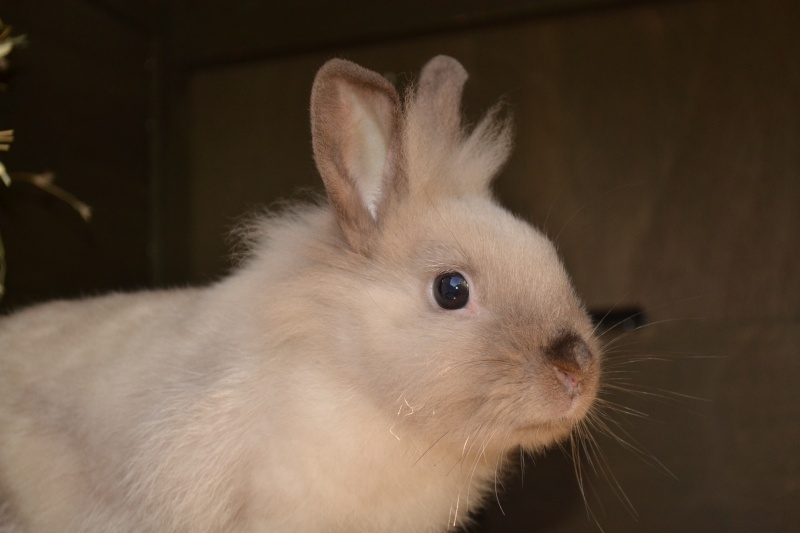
<point>430,447</point>
<point>496,470</point>
<point>620,408</point>
<point>631,444</point>
<point>594,450</point>
<point>654,393</point>
<point>588,203</point>
<point>576,445</point>
<point>626,334</point>
<point>610,310</point>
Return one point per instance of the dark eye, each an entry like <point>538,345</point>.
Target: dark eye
<point>451,290</point>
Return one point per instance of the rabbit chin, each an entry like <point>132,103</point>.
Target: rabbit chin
<point>539,434</point>
<point>537,437</point>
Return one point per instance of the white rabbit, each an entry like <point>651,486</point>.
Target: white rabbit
<point>368,367</point>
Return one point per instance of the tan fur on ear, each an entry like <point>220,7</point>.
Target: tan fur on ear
<point>438,96</point>
<point>444,158</point>
<point>355,124</point>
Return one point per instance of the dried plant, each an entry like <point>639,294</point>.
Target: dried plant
<point>43,181</point>
<point>7,43</point>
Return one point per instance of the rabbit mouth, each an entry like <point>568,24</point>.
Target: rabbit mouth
<point>562,421</point>
<point>563,413</point>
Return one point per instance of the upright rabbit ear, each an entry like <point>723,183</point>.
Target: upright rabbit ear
<point>442,157</point>
<point>355,124</point>
<point>438,97</point>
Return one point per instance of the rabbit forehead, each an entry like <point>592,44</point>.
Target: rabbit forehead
<point>510,262</point>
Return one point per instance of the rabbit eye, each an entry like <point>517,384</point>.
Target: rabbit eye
<point>451,290</point>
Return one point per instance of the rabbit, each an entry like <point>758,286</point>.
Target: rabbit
<point>369,365</point>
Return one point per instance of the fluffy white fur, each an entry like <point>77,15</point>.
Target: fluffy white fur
<point>319,387</point>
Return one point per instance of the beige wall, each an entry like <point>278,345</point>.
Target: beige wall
<point>660,146</point>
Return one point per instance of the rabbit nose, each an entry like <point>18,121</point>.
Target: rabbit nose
<point>571,359</point>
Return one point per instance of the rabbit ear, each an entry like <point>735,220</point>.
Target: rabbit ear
<point>438,96</point>
<point>355,124</point>
<point>443,158</point>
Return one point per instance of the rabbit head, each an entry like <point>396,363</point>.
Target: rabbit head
<point>463,323</point>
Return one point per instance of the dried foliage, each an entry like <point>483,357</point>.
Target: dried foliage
<point>43,181</point>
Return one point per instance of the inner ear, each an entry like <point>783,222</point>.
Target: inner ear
<point>368,144</point>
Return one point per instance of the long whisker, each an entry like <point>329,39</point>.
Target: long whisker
<point>602,464</point>
<point>610,310</point>
<point>576,445</point>
<point>629,442</point>
<point>497,467</point>
<point>430,447</point>
<point>611,343</point>
<point>590,202</point>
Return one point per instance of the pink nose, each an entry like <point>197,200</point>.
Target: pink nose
<point>569,379</point>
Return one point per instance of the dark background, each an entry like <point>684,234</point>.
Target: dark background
<point>658,142</point>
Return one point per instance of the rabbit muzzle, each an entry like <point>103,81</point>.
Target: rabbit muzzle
<point>572,361</point>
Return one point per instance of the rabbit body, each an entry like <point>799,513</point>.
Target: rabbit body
<point>319,387</point>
